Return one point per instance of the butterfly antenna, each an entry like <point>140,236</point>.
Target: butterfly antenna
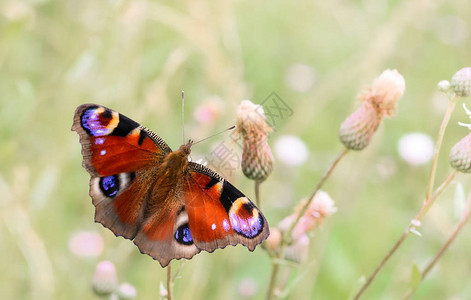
<point>227,129</point>
<point>183,116</point>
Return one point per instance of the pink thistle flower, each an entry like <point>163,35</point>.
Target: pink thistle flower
<point>105,279</point>
<point>86,244</point>
<point>320,207</point>
<point>379,101</point>
<point>126,291</point>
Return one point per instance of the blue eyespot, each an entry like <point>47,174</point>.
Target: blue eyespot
<point>183,235</point>
<point>96,123</point>
<point>109,185</point>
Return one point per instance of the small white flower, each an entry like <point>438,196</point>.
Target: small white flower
<point>291,150</point>
<point>416,148</point>
<point>443,86</point>
<point>300,77</point>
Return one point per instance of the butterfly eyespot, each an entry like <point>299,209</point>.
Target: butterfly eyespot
<point>183,235</point>
<point>98,121</point>
<point>245,219</point>
<point>109,185</point>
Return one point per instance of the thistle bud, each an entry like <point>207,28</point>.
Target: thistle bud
<point>105,280</point>
<point>443,86</point>
<point>126,291</point>
<point>460,155</point>
<point>257,159</point>
<point>274,239</point>
<point>320,207</point>
<point>379,101</point>
<point>358,129</point>
<point>461,82</point>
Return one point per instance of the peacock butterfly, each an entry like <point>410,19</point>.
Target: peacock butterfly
<point>170,207</point>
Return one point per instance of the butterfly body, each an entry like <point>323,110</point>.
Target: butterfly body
<point>170,207</point>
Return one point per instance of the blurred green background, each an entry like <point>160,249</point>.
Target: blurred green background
<point>136,57</point>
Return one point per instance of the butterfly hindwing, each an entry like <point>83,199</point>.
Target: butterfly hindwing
<point>206,214</point>
<point>219,214</point>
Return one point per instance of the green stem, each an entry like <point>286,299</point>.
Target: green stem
<point>428,198</point>
<point>257,194</point>
<point>404,234</point>
<point>441,133</point>
<point>316,189</point>
<point>273,277</point>
<point>464,219</point>
<point>287,235</point>
<point>169,281</point>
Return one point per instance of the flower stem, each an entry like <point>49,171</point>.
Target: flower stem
<point>169,281</point>
<point>273,277</point>
<point>405,233</point>
<point>287,235</point>
<point>316,189</point>
<point>441,133</point>
<point>257,194</point>
<point>464,219</point>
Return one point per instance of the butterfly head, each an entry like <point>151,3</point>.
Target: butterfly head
<point>187,147</point>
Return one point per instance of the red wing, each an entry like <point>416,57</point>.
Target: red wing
<point>164,233</point>
<point>112,143</point>
<point>219,214</point>
<point>119,154</point>
<point>208,213</point>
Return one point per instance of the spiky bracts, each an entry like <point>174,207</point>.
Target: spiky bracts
<point>257,159</point>
<point>461,82</point>
<point>379,101</point>
<point>460,155</point>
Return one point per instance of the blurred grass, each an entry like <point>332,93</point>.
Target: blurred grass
<point>136,57</point>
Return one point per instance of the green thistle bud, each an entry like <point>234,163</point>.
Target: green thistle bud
<point>460,155</point>
<point>257,159</point>
<point>461,82</point>
<point>358,129</point>
<point>105,280</point>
